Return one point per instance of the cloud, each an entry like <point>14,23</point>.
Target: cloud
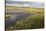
<point>25,4</point>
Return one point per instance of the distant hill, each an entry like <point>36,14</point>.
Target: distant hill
<point>14,8</point>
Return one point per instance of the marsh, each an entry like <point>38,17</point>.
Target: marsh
<point>24,15</point>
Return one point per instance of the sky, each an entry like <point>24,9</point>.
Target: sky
<point>25,3</point>
<point>28,0</point>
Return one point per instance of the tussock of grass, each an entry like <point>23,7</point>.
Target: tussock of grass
<point>7,16</point>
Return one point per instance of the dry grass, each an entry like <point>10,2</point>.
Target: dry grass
<point>10,7</point>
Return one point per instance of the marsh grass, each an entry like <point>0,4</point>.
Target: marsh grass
<point>35,21</point>
<point>31,22</point>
